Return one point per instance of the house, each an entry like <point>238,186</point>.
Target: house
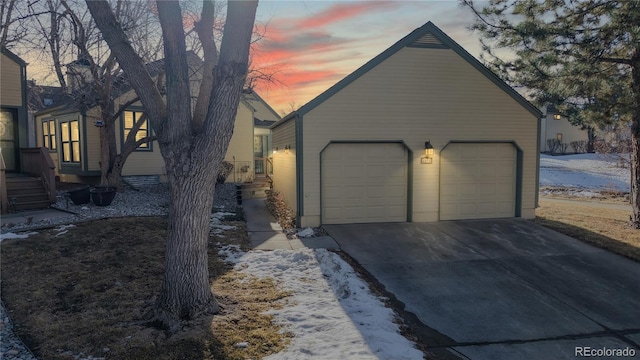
<point>422,132</point>
<point>13,109</point>
<point>70,132</point>
<point>558,135</point>
<point>26,174</point>
<point>263,117</point>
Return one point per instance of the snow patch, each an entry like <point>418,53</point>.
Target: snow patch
<point>308,232</point>
<point>329,304</point>
<point>7,236</point>
<point>586,171</point>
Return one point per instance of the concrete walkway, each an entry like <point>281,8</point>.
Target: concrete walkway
<point>266,234</point>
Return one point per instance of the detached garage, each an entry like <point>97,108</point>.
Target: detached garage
<point>422,132</point>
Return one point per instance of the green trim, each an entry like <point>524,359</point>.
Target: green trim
<point>519,168</point>
<point>406,42</point>
<point>409,194</point>
<point>429,46</point>
<point>55,136</point>
<point>137,109</point>
<point>13,56</point>
<point>299,171</point>
<point>84,143</point>
<point>537,204</point>
<point>77,170</point>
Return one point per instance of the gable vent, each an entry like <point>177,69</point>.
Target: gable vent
<point>428,40</point>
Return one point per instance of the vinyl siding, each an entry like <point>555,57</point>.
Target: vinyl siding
<point>415,95</point>
<point>551,127</point>
<point>284,165</point>
<point>11,92</point>
<point>93,140</point>
<point>240,150</point>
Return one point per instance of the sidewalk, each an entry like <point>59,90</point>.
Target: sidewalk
<point>266,234</point>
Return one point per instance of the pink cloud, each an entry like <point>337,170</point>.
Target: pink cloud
<point>339,12</point>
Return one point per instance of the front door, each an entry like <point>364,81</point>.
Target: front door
<point>9,139</point>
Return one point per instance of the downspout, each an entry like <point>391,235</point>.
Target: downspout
<point>299,170</point>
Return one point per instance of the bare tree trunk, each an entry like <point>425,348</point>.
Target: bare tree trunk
<point>192,150</point>
<point>635,142</point>
<point>186,291</point>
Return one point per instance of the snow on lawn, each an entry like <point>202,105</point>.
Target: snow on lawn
<point>590,171</point>
<point>9,235</point>
<point>331,311</point>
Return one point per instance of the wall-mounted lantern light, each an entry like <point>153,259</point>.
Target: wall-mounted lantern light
<point>275,150</point>
<point>428,153</point>
<point>287,148</point>
<point>557,116</point>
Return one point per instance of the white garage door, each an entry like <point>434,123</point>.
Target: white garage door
<point>364,183</point>
<point>477,181</point>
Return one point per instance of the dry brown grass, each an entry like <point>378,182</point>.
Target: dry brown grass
<point>88,291</point>
<point>605,228</point>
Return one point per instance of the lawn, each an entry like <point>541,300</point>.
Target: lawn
<point>88,289</point>
<point>605,228</point>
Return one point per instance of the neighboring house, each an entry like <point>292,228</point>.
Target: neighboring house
<point>557,133</point>
<point>263,117</point>
<point>26,174</point>
<point>70,131</point>
<point>422,132</point>
<point>13,109</point>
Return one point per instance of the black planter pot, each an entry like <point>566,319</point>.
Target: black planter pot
<point>80,196</point>
<point>103,195</point>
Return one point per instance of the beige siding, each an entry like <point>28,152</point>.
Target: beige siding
<point>92,140</point>
<point>416,95</point>
<point>552,127</point>
<point>284,165</point>
<point>11,91</point>
<point>240,150</point>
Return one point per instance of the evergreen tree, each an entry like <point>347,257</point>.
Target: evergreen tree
<point>582,56</point>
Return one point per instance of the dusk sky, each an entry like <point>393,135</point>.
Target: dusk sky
<point>311,45</point>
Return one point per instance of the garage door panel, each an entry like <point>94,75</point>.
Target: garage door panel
<point>373,179</point>
<point>477,181</point>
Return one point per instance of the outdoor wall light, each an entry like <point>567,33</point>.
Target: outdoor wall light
<point>275,150</point>
<point>428,149</point>
<point>428,153</point>
<point>557,116</point>
<point>287,148</point>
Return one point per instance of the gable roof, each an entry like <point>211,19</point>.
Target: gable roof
<point>13,56</point>
<point>426,36</point>
<point>87,97</point>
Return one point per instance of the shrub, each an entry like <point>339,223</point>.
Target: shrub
<point>579,146</point>
<point>283,214</point>
<point>225,169</point>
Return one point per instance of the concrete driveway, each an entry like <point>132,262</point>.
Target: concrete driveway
<point>503,289</point>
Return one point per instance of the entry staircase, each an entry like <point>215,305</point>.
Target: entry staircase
<point>257,189</point>
<point>33,188</point>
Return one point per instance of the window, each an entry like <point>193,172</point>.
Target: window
<point>559,136</point>
<point>70,141</point>
<point>49,134</point>
<point>129,120</point>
